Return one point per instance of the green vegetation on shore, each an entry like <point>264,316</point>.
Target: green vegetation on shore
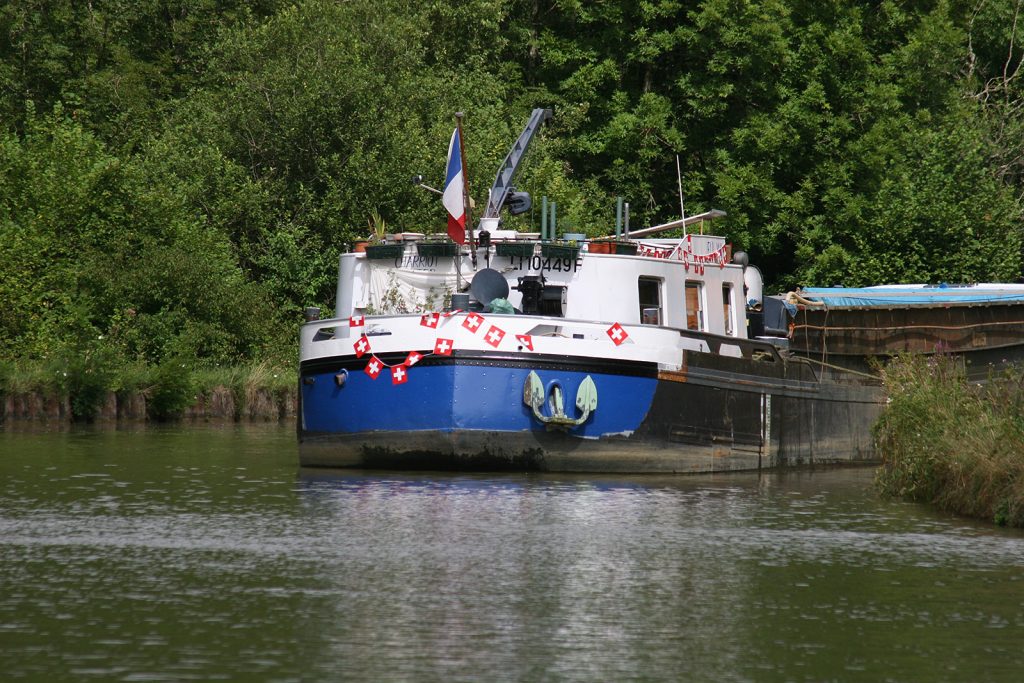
<point>952,442</point>
<point>168,388</point>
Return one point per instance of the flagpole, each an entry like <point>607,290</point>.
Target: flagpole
<point>465,188</point>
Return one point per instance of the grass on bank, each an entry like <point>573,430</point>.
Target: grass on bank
<point>169,388</point>
<point>951,442</point>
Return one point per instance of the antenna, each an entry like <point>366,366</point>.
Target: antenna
<point>682,205</point>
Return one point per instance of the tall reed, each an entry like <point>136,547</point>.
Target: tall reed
<point>951,442</point>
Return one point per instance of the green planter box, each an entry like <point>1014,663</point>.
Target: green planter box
<point>522,249</point>
<point>559,250</point>
<point>625,248</point>
<point>385,251</point>
<point>437,248</point>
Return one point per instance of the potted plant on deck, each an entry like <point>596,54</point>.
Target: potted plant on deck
<point>442,247</point>
<point>378,249</point>
<point>563,249</point>
<point>511,248</point>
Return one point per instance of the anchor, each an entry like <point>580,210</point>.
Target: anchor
<point>586,402</point>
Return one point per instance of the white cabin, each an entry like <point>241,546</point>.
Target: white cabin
<point>686,283</point>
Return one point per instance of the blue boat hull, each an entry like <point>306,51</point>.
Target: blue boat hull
<point>468,393</point>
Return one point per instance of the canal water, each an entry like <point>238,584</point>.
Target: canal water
<point>175,554</point>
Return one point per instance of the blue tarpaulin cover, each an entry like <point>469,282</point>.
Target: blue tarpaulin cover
<point>915,295</point>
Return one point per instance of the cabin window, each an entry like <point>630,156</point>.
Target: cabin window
<point>649,289</point>
<point>730,328</point>
<point>694,305</point>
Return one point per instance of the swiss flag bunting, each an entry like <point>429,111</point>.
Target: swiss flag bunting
<point>494,336</point>
<point>443,347</point>
<point>413,358</point>
<point>473,322</point>
<point>617,334</point>
<point>430,320</point>
<point>373,367</point>
<point>362,346</point>
<point>356,321</point>
<point>526,340</point>
<point>399,374</point>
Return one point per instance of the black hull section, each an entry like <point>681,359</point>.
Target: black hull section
<point>789,417</point>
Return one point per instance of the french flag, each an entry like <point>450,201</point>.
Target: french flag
<point>454,191</point>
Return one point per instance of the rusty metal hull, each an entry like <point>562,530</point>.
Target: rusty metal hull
<point>982,334</point>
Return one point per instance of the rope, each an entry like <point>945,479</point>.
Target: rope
<point>796,298</point>
<point>842,369</point>
<point>913,327</point>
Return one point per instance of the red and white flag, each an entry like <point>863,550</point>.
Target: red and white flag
<point>374,367</point>
<point>356,321</point>
<point>526,340</point>
<point>362,346</point>
<point>617,333</point>
<point>473,322</point>
<point>494,336</point>
<point>454,196</point>
<point>399,374</point>
<point>413,358</point>
<point>430,320</point>
<point>443,347</point>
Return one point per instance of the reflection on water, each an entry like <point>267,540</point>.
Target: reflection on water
<point>201,554</point>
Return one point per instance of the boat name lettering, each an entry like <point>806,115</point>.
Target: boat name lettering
<point>561,265</point>
<point>416,261</point>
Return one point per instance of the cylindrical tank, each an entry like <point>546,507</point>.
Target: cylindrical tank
<point>343,306</point>
<point>753,285</point>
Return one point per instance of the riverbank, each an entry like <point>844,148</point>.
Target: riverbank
<point>34,391</point>
<point>951,443</point>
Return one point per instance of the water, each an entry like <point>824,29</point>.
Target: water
<point>206,554</point>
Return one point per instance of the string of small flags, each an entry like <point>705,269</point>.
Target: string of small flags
<point>685,254</point>
<point>474,322</point>
<point>700,261</point>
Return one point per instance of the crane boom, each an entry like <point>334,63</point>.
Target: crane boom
<point>503,182</point>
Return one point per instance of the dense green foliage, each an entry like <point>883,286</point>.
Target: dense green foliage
<point>951,442</point>
<point>177,178</point>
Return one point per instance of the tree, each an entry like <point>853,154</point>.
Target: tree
<point>93,246</point>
